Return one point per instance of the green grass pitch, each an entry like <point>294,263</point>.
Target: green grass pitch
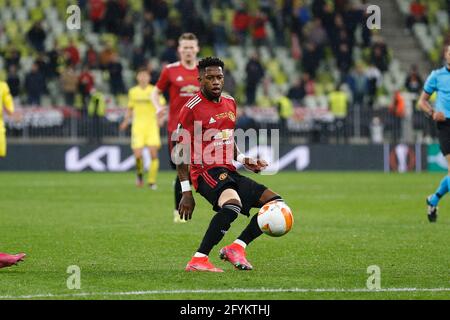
<point>123,239</point>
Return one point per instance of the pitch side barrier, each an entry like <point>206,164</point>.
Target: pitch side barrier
<point>119,158</point>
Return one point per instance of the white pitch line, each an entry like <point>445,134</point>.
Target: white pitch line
<point>237,290</point>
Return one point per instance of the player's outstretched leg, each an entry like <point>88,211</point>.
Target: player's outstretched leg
<point>219,225</point>
<point>235,253</point>
<point>433,200</point>
<point>7,260</point>
<point>178,194</point>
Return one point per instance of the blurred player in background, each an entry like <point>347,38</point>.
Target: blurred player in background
<point>215,177</point>
<point>7,104</point>
<point>180,80</point>
<point>145,128</point>
<point>439,82</point>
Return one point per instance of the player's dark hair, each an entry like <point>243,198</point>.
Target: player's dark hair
<point>210,62</point>
<point>142,69</point>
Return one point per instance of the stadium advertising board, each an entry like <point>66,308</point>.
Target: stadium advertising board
<point>119,158</point>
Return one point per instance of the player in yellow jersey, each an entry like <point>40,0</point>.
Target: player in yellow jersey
<point>7,104</point>
<point>145,127</point>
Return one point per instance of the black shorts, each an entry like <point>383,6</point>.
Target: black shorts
<point>444,136</point>
<point>248,190</point>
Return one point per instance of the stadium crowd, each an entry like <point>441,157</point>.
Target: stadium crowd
<point>335,56</point>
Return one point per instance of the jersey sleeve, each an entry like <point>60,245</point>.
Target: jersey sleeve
<point>7,99</point>
<point>130,100</point>
<point>430,84</point>
<point>185,126</point>
<point>164,80</point>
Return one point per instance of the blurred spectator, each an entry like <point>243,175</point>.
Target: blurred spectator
<point>72,54</point>
<point>397,109</point>
<point>258,26</point>
<point>230,83</point>
<point>297,92</point>
<point>106,57</point>
<point>34,85</point>
<point>127,31</point>
<point>315,33</point>
<point>244,121</point>
<point>12,57</point>
<point>138,60</point>
<point>41,61</point>
<point>414,82</point>
<point>187,8</point>
<point>91,58</point>
<point>169,54</point>
<point>380,55</point>
<point>96,113</point>
<point>358,84</point>
<point>310,59</point>
<point>374,78</point>
<point>255,73</point>
<point>344,58</point>
<point>417,14</point>
<point>13,81</point>
<point>97,10</point>
<point>300,17</point>
<point>53,60</point>
<point>148,34</point>
<point>160,10</point>
<point>220,37</point>
<point>309,85</point>
<point>85,85</point>
<point>174,30</point>
<point>338,101</point>
<point>69,85</point>
<point>285,111</point>
<point>116,83</point>
<point>241,25</point>
<point>114,13</point>
<point>376,131</point>
<point>36,35</point>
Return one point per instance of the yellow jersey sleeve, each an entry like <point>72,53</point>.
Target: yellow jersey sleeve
<point>6,99</point>
<point>130,99</point>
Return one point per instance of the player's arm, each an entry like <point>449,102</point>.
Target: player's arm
<point>255,165</point>
<point>128,115</point>
<point>187,203</point>
<point>425,106</point>
<point>7,100</point>
<point>126,120</point>
<point>429,88</point>
<point>182,159</point>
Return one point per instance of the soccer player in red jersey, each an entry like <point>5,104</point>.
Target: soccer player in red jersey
<point>205,153</point>
<point>180,79</point>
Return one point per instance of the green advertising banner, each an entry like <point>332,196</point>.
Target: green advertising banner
<point>436,160</point>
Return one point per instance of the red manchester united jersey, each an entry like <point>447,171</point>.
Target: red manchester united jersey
<point>210,126</point>
<point>182,84</point>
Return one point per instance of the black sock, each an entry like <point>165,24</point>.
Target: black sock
<point>219,225</point>
<point>178,192</point>
<point>252,231</point>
